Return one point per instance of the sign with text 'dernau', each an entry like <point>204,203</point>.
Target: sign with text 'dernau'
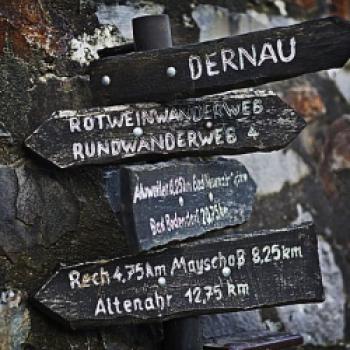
<point>220,65</point>
<point>229,273</point>
<point>221,124</point>
<point>175,200</point>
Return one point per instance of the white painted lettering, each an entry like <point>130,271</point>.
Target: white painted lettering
<point>292,54</point>
<point>88,123</point>
<point>100,307</point>
<point>195,65</point>
<point>258,106</point>
<point>211,64</point>
<point>230,135</point>
<point>78,151</point>
<point>267,53</point>
<point>227,55</point>
<point>74,125</point>
<point>244,54</point>
<point>74,278</point>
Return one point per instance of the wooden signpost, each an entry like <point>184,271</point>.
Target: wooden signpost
<point>159,203</point>
<point>214,275</point>
<point>175,200</point>
<point>220,65</point>
<point>223,124</point>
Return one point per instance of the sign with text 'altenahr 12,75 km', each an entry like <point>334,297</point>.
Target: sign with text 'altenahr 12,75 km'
<point>221,65</point>
<point>229,273</point>
<point>174,200</point>
<point>232,123</point>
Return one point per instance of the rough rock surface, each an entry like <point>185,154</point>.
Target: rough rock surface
<point>49,216</point>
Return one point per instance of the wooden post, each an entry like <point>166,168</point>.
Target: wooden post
<point>150,33</point>
<point>183,334</point>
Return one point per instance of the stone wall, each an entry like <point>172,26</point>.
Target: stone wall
<point>50,216</point>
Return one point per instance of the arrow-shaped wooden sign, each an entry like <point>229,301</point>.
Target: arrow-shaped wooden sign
<point>220,65</point>
<point>221,124</point>
<point>233,272</point>
<point>175,200</point>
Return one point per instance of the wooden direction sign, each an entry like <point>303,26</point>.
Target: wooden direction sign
<point>220,65</point>
<point>206,276</point>
<point>175,200</point>
<point>221,124</point>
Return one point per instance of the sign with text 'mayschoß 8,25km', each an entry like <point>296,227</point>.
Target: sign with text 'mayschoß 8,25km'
<point>233,272</point>
<point>174,200</point>
<point>230,123</point>
<point>221,65</point>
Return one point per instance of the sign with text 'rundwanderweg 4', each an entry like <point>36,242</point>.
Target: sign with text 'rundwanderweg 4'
<point>221,124</point>
<point>206,276</point>
<point>221,65</point>
<point>175,200</point>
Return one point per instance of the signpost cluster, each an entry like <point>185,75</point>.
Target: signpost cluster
<point>167,199</point>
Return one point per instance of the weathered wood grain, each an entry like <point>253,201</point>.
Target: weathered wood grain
<point>222,124</point>
<point>174,200</point>
<point>220,65</point>
<point>257,341</point>
<point>265,268</point>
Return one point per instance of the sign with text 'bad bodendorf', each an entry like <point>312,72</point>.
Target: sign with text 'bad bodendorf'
<point>174,200</point>
<point>232,123</point>
<point>229,273</point>
<point>220,65</point>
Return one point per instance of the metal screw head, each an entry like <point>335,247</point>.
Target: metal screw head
<point>209,125</point>
<point>226,271</point>
<point>162,281</point>
<point>137,131</point>
<point>171,72</point>
<point>105,80</point>
<point>181,201</point>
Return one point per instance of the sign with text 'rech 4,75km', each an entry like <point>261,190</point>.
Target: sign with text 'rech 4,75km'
<point>174,200</point>
<point>232,123</point>
<point>228,273</point>
<point>220,65</point>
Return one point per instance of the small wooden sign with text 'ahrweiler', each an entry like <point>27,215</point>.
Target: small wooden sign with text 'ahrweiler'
<point>229,273</point>
<point>220,65</point>
<point>175,200</point>
<point>221,124</point>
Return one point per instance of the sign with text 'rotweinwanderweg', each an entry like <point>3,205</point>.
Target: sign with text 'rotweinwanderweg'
<point>232,123</point>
